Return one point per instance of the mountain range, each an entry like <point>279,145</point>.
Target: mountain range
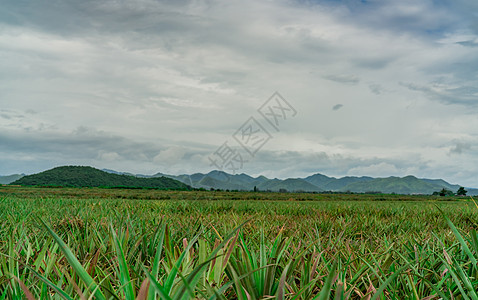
<point>220,180</point>
<point>317,183</point>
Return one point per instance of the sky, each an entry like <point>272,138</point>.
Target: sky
<point>278,88</point>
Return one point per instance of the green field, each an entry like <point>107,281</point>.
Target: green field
<point>142,244</point>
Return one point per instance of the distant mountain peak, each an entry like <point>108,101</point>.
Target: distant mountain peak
<point>7,179</point>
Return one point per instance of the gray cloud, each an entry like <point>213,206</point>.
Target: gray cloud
<point>346,79</point>
<point>11,114</point>
<point>459,148</point>
<point>89,146</point>
<point>470,43</point>
<point>147,86</point>
<point>422,18</point>
<point>377,89</point>
<point>82,143</point>
<point>464,95</point>
<point>337,106</point>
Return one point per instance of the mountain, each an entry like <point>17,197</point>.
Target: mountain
<point>472,192</point>
<point>317,183</point>
<point>126,173</point>
<point>290,185</point>
<point>10,178</point>
<point>116,172</point>
<point>333,184</point>
<point>443,183</point>
<point>405,185</point>
<point>219,180</point>
<point>79,176</point>
<point>87,176</point>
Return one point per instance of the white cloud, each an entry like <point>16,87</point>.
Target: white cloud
<point>170,156</point>
<point>109,156</point>
<point>376,170</point>
<point>142,74</point>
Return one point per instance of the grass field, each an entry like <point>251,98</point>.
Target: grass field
<point>140,244</point>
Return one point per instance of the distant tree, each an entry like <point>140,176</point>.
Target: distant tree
<point>255,188</point>
<point>445,192</point>
<point>282,191</point>
<point>461,191</point>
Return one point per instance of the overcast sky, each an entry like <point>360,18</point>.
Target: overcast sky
<point>378,88</point>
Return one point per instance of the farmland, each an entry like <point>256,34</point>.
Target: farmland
<point>71,243</point>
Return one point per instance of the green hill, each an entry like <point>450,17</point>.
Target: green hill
<point>334,184</point>
<point>78,176</point>
<point>405,185</point>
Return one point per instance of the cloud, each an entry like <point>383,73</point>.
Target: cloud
<point>109,156</point>
<point>170,156</point>
<point>459,148</point>
<point>377,89</point>
<point>146,86</point>
<point>424,18</point>
<point>9,115</point>
<point>469,43</point>
<point>376,170</point>
<point>346,79</point>
<point>80,143</point>
<point>337,106</point>
<point>463,95</point>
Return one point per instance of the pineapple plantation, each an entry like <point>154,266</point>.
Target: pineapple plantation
<point>71,243</point>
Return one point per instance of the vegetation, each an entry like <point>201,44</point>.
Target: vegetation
<point>66,243</point>
<point>461,191</point>
<point>78,176</point>
<point>446,192</point>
